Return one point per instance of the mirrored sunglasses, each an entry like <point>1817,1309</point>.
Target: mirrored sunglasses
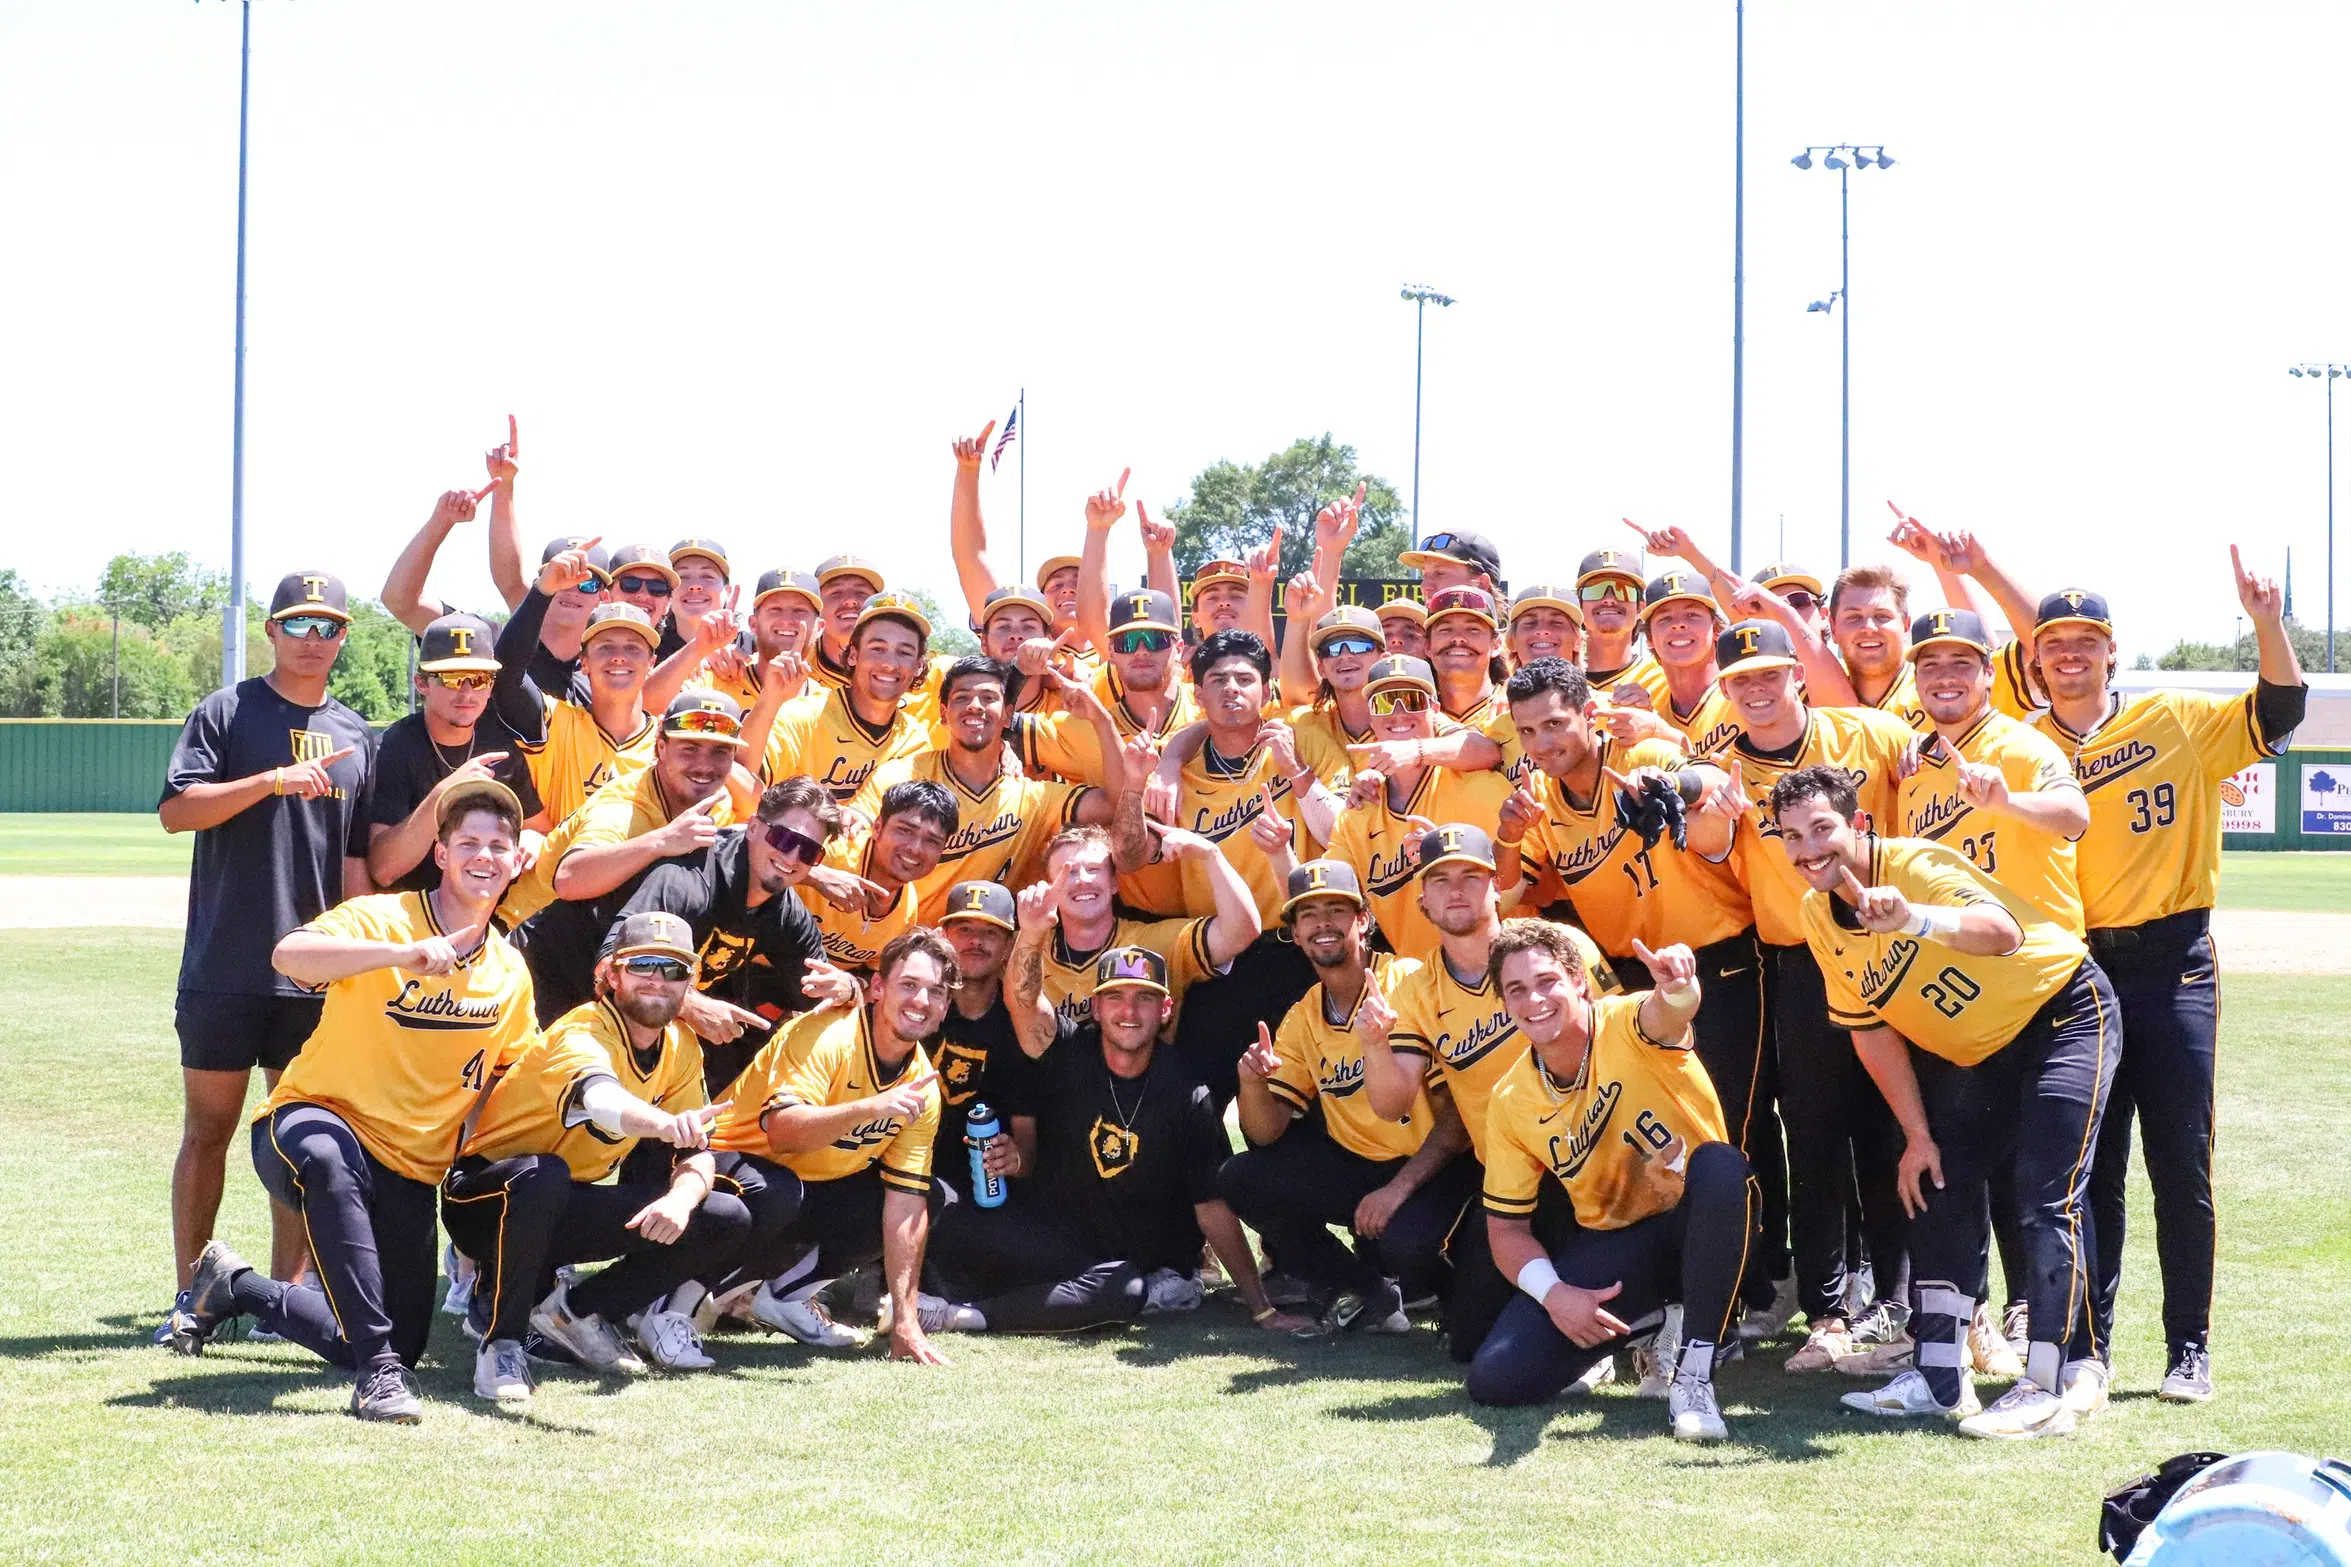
<point>1801,601</point>
<point>793,845</point>
<point>654,966</point>
<point>318,628</point>
<point>1399,700</point>
<point>462,680</point>
<point>1610,588</point>
<point>1142,642</point>
<point>703,722</point>
<point>1352,643</point>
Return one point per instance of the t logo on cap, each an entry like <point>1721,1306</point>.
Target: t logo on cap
<point>1941,620</point>
<point>314,589</point>
<point>1317,876</point>
<point>974,897</point>
<point>2073,597</point>
<point>1750,639</point>
<point>460,638</point>
<point>1139,605</point>
<point>1450,837</point>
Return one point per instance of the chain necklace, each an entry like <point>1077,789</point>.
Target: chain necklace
<point>1126,1117</point>
<point>442,757</point>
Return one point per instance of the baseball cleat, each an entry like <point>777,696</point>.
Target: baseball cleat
<point>801,1319</point>
<point>2025,1411</point>
<point>387,1393</point>
<point>502,1372</point>
<point>935,1314</point>
<point>1695,1417</point>
<point>2189,1381</point>
<point>1908,1394</point>
<point>1988,1351</point>
<point>1823,1347</point>
<point>670,1341</point>
<point>585,1334</point>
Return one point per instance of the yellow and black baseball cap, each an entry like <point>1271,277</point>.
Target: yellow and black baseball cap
<point>310,593</point>
<point>981,900</point>
<point>1400,669</point>
<point>2074,607</point>
<point>1754,644</point>
<point>849,566</point>
<point>1473,550</point>
<point>1953,627</point>
<point>893,606</point>
<point>1676,587</point>
<point>1220,570</point>
<point>1786,574</point>
<point>654,933</point>
<point>622,616</point>
<point>1322,879</point>
<point>1622,565</point>
<point>798,583</point>
<point>1404,607</point>
<point>1015,597</point>
<point>473,794</point>
<point>1145,609</point>
<point>1346,619</point>
<point>633,559</point>
<point>1545,596</point>
<point>699,714</point>
<point>1464,601</point>
<point>1054,563</point>
<point>458,642</point>
<point>1455,842</point>
<point>1137,968</point>
<point>709,549</point>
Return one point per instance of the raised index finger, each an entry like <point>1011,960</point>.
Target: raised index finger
<point>1122,482</point>
<point>2237,563</point>
<point>513,438</point>
<point>1850,885</point>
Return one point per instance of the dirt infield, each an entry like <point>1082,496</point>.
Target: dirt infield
<point>2251,941</point>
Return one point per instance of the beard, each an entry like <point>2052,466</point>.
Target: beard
<point>649,1011</point>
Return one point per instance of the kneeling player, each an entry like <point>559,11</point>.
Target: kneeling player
<point>1611,1101</point>
<point>529,1193</point>
<point>1991,1033</point>
<point>425,1005</point>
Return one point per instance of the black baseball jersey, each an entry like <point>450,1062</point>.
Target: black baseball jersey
<point>277,864</point>
<point>979,1061</point>
<point>410,764</point>
<point>752,957</point>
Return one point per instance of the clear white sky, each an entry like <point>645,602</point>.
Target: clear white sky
<point>745,268</point>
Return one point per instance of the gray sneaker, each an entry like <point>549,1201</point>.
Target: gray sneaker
<point>585,1334</point>
<point>2189,1381</point>
<point>387,1393</point>
<point>210,1303</point>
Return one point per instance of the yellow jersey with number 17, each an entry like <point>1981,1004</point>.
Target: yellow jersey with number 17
<point>403,1058</point>
<point>2153,772</point>
<point>1949,1003</point>
<point>2037,863</point>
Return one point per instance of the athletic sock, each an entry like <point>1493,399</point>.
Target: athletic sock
<point>2042,1363</point>
<point>255,1293</point>
<point>1697,1362</point>
<point>683,1299</point>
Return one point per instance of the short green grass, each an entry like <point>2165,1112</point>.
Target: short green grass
<point>1193,1440</point>
<point>2294,880</point>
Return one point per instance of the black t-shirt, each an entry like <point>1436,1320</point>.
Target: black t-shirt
<point>410,764</point>
<point>980,1061</point>
<point>752,957</point>
<point>278,863</point>
<point>1122,1162</point>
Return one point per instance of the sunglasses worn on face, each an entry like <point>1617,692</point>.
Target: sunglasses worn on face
<point>1597,592</point>
<point>1800,601</point>
<point>793,845</point>
<point>654,967</point>
<point>658,587</point>
<point>704,723</point>
<point>1404,701</point>
<point>463,680</point>
<point>318,628</point>
<point>1335,647</point>
<point>1142,642</point>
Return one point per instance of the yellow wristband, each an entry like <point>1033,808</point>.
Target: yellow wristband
<point>277,780</point>
<point>1267,1315</point>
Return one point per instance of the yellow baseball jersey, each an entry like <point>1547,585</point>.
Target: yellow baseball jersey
<point>1868,746</point>
<point>2025,859</point>
<point>1464,1033</point>
<point>1065,745</point>
<point>579,758</point>
<point>824,674</point>
<point>535,1107</point>
<point>404,1058</point>
<point>1220,805</point>
<point>1901,701</point>
<point>1322,739</point>
<point>630,806</point>
<point>822,1059</point>
<point>1620,889</point>
<point>1371,839</point>
<point>1707,727</point>
<point>1069,976</point>
<point>2153,772</point>
<point>1607,1136</point>
<point>852,940</point>
<point>1644,672</point>
<point>1003,832</point>
<point>1948,1003</point>
<point>1491,718</point>
<point>1320,1059</point>
<point>820,737</point>
<point>2012,683</point>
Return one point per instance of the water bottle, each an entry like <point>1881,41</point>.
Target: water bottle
<point>979,1128</point>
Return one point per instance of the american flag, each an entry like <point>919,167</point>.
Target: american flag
<point>1011,432</point>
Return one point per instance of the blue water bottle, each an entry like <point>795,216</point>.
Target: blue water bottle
<point>979,1128</point>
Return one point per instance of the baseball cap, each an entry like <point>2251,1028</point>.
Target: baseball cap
<point>699,714</point>
<point>849,566</point>
<point>709,549</point>
<point>1463,549</point>
<point>1753,644</point>
<point>1455,841</point>
<point>1346,618</point>
<point>1785,574</point>
<point>1052,564</point>
<point>472,794</point>
<point>1673,588</point>
<point>1007,598</point>
<point>654,933</point>
<point>627,558</point>
<point>981,900</point>
<point>599,561</point>
<point>1221,570</point>
<point>456,642</point>
<point>898,606</point>
<point>1608,563</point>
<point>1463,601</point>
<point>1145,609</point>
<point>1958,627</point>
<point>1137,967</point>
<point>1322,879</point>
<point>1400,669</point>
<point>779,580</point>
<point>1404,607</point>
<point>310,593</point>
<point>1545,596</point>
<point>2074,607</point>
<point>606,616</point>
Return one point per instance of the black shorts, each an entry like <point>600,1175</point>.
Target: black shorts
<point>223,1033</point>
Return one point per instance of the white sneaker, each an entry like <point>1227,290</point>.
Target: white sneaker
<point>1602,1373</point>
<point>1759,1323</point>
<point>936,1315</point>
<point>461,1274</point>
<point>1908,1394</point>
<point>589,1337</point>
<point>1989,1351</point>
<point>1695,1417</point>
<point>1168,1290</point>
<point>670,1341</point>
<point>2081,1388</point>
<point>1654,1364</point>
<point>2026,1410</point>
<point>801,1319</point>
<point>501,1371</point>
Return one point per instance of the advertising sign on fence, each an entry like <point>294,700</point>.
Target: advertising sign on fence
<point>2326,800</point>
<point>2249,800</point>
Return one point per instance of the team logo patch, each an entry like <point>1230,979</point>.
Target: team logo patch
<point>1113,1147</point>
<point>959,1067</point>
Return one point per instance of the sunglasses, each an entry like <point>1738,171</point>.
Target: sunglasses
<point>1404,701</point>
<point>702,722</point>
<point>651,966</point>
<point>1439,541</point>
<point>1142,641</point>
<point>793,845</point>
<point>1800,601</point>
<point>1600,592</point>
<point>463,680</point>
<point>658,587</point>
<point>1341,646</point>
<point>318,628</point>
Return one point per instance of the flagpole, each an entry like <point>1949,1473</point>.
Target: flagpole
<point>1022,407</point>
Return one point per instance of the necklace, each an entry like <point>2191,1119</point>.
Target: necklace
<point>441,756</point>
<point>1126,1117</point>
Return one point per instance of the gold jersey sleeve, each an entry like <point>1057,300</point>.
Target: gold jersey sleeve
<point>1868,747</point>
<point>1608,1136</point>
<point>1708,727</point>
<point>2153,772</point>
<point>630,806</point>
<point>1371,839</point>
<point>1221,807</point>
<point>1956,1005</point>
<point>821,1060</point>
<point>1320,1060</point>
<point>579,758</point>
<point>2036,863</point>
<point>1001,830</point>
<point>535,1107</point>
<point>2013,694</point>
<point>1622,891</point>
<point>402,1057</point>
<point>1069,976</point>
<point>819,737</point>
<point>853,940</point>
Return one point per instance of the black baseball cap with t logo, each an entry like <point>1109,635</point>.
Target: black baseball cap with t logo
<point>310,593</point>
<point>458,642</point>
<point>1455,843</point>
<point>1949,628</point>
<point>1753,644</point>
<point>1473,550</point>
<point>1145,609</point>
<point>1322,879</point>
<point>2074,607</point>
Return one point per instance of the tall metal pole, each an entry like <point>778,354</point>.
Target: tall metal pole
<point>1738,282</point>
<point>1845,323</point>
<point>2330,519</point>
<point>1420,314</point>
<point>1023,405</point>
<point>232,642</point>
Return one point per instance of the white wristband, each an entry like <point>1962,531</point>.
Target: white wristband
<point>1537,1277</point>
<point>1932,924</point>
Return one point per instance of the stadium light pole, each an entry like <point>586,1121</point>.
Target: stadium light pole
<point>2328,373</point>
<point>232,630</point>
<point>1738,280</point>
<point>1844,158</point>
<point>1422,296</point>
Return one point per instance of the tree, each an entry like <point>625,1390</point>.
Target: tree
<point>949,634</point>
<point>1233,508</point>
<point>155,590</point>
<point>76,664</point>
<point>371,676</point>
<point>22,620</point>
<point>2310,646</point>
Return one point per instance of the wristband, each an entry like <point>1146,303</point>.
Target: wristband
<point>1263,1317</point>
<point>277,780</point>
<point>1932,924</point>
<point>1536,1279</point>
<point>1680,991</point>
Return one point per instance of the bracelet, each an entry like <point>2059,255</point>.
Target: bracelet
<point>1537,1277</point>
<point>277,780</point>
<point>1932,924</point>
<point>1261,1318</point>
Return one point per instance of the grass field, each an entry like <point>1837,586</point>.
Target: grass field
<point>1195,1440</point>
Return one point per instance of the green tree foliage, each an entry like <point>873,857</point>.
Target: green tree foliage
<point>371,677</point>
<point>2310,646</point>
<point>1234,508</point>
<point>77,663</point>
<point>949,634</point>
<point>156,590</point>
<point>22,620</point>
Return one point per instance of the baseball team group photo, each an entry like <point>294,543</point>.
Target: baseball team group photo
<point>668,971</point>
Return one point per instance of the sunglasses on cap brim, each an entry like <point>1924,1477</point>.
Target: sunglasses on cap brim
<point>715,726</point>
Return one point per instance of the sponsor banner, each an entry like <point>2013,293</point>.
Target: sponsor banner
<point>2249,800</point>
<point>2326,799</point>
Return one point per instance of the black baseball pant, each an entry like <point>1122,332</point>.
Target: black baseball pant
<point>1023,1274</point>
<point>1480,1293</point>
<point>835,1227</point>
<point>1292,1190</point>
